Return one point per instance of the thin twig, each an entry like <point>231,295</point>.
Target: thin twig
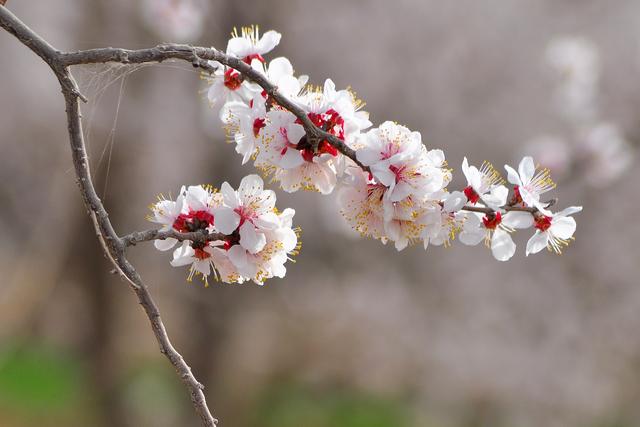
<point>145,236</point>
<point>183,52</point>
<point>114,247</point>
<point>188,53</point>
<point>508,208</point>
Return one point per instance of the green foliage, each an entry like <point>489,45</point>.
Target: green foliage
<point>39,384</point>
<point>153,396</point>
<point>288,406</point>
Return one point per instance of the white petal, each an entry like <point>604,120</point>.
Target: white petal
<point>569,211</point>
<point>250,239</point>
<point>512,175</point>
<point>472,233</point>
<point>239,46</point>
<point>291,159</point>
<point>563,227</point>
<point>529,198</point>
<point>289,239</point>
<point>502,245</point>
<point>383,174</point>
<point>537,242</point>
<point>401,243</point>
<point>526,169</point>
<point>229,195</point>
<point>183,255</point>
<point>497,197</point>
<point>241,260</point>
<point>436,157</point>
<point>268,41</point>
<point>472,237</point>
<point>516,219</point>
<point>325,179</point>
<point>165,245</point>
<point>197,197</point>
<point>454,201</point>
<point>399,192</point>
<point>251,185</point>
<point>225,220</point>
<point>216,91</point>
<point>267,221</point>
<point>368,156</point>
<point>279,68</point>
<point>203,267</point>
<point>465,170</point>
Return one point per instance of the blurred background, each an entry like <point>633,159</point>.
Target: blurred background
<point>357,335</point>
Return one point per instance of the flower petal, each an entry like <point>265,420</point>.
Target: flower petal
<point>268,41</point>
<point>278,68</point>
<point>526,169</point>
<point>239,46</point>
<point>250,239</point>
<point>229,195</point>
<point>183,255</point>
<point>454,201</point>
<point>502,245</point>
<point>251,185</point>
<point>226,220</point>
<point>497,197</point>
<point>563,227</point>
<point>569,211</point>
<point>241,260</point>
<point>516,219</point>
<point>537,242</point>
<point>512,175</point>
<point>165,245</point>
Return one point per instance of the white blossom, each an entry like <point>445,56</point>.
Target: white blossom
<point>484,184</point>
<point>252,240</point>
<point>554,231</point>
<point>248,45</point>
<point>529,183</point>
<point>244,123</point>
<point>494,229</point>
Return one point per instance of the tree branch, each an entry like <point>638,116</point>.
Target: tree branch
<point>144,236</point>
<point>195,55</point>
<point>508,208</point>
<point>114,247</point>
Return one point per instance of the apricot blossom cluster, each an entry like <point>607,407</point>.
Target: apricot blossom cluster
<point>243,236</point>
<point>391,186</point>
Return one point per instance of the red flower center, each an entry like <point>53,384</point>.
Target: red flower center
<point>307,154</point>
<point>397,171</point>
<point>517,198</point>
<point>253,56</point>
<point>471,194</point>
<point>329,121</point>
<point>231,240</point>
<point>193,221</point>
<point>258,124</point>
<point>542,222</point>
<point>232,79</point>
<point>491,221</point>
<point>201,254</point>
<point>325,147</point>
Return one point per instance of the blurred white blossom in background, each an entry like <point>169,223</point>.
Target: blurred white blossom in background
<point>594,149</point>
<point>176,20</point>
<point>553,152</point>
<point>605,153</point>
<point>576,61</point>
